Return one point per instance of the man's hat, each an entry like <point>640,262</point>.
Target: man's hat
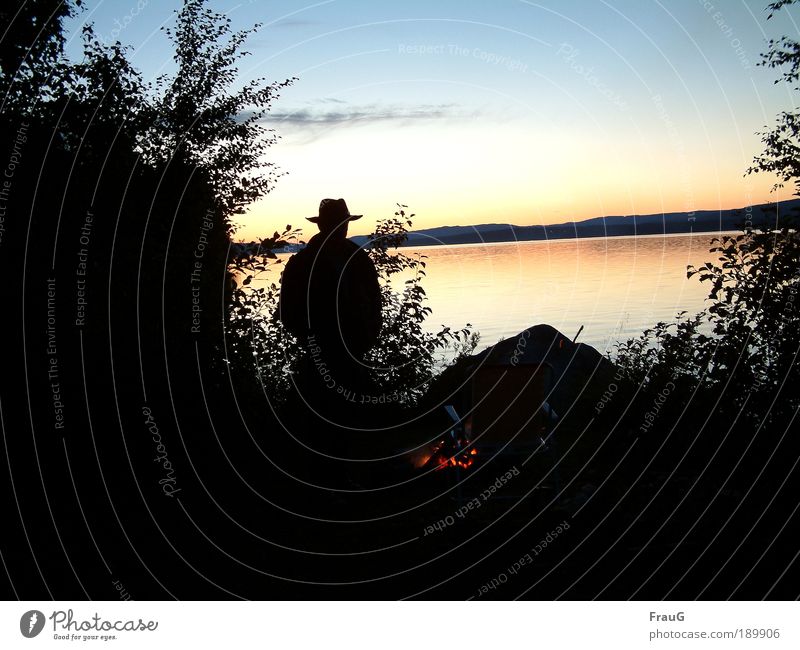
<point>334,211</point>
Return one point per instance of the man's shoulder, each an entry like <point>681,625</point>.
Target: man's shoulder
<point>335,247</point>
<point>319,250</point>
<point>358,251</point>
<point>349,246</point>
<point>310,250</point>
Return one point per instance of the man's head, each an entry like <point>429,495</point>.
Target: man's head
<point>334,217</point>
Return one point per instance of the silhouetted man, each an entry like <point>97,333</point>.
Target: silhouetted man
<point>330,300</point>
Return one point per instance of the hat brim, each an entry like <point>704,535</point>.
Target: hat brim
<point>352,217</point>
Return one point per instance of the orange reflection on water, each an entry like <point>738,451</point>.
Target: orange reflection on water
<point>615,287</point>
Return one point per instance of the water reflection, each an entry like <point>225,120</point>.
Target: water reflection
<point>615,287</point>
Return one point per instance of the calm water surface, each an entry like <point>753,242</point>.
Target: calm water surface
<point>614,287</point>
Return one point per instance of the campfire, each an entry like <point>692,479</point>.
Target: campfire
<point>447,454</point>
<point>453,450</point>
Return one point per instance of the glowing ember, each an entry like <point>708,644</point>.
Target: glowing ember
<point>451,455</point>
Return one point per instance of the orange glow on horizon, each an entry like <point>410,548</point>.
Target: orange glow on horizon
<point>258,224</point>
<point>507,174</point>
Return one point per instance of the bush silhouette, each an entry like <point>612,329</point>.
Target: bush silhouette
<point>406,358</point>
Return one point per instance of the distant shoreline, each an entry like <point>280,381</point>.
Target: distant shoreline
<point>695,233</point>
<point>710,233</point>
<point>649,225</point>
<point>675,223</point>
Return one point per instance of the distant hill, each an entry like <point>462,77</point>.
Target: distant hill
<point>649,224</point>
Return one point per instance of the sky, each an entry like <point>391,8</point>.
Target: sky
<point>487,111</point>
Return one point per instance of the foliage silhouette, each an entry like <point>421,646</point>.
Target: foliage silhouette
<point>745,341</point>
<point>197,113</point>
<point>742,348</point>
<point>257,342</point>
<point>122,197</point>
<point>781,155</point>
<point>407,357</point>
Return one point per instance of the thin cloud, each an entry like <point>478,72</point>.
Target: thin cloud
<point>292,23</point>
<point>359,115</point>
<point>305,125</point>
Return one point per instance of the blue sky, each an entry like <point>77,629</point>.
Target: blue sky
<point>503,110</point>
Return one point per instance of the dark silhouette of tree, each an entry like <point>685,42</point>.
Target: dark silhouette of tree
<point>408,357</point>
<point>116,219</point>
<point>732,367</point>
<point>781,155</point>
<point>31,48</point>
<point>196,114</point>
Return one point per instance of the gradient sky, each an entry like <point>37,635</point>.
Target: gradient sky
<point>497,111</point>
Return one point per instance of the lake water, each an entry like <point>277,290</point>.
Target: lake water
<point>615,287</point>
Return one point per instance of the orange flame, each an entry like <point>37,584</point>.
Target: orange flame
<point>442,455</point>
<point>462,459</point>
